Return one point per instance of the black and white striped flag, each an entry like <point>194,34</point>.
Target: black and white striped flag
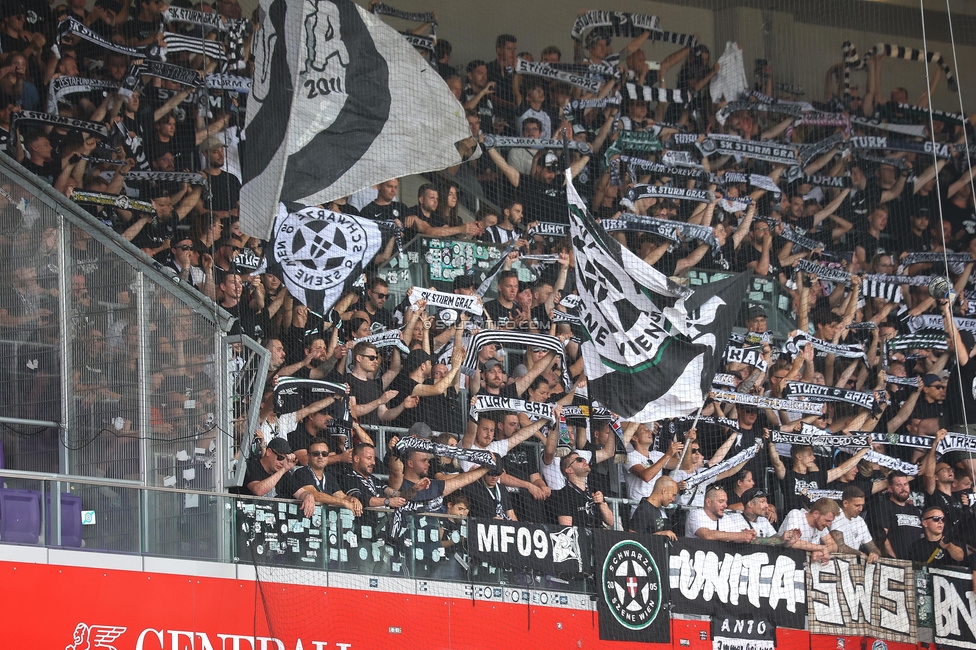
<point>340,101</point>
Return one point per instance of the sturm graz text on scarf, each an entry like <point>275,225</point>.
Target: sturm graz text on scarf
<point>508,142</point>
<point>58,120</point>
<point>445,300</point>
<point>483,403</point>
<point>772,403</point>
<point>425,445</point>
<point>773,152</point>
<point>544,70</point>
<point>818,393</point>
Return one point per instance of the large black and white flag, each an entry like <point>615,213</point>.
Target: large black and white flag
<point>651,346</point>
<point>340,101</point>
<point>317,252</point>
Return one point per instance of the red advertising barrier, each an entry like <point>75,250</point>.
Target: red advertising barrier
<point>76,608</point>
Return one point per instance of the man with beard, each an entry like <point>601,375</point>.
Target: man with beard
<point>429,491</point>
<point>575,504</point>
<point>897,522</point>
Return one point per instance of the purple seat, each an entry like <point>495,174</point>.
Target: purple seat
<point>70,520</point>
<point>20,516</point>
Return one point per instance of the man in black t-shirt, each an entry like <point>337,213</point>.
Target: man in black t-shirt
<point>935,548</point>
<point>386,208</point>
<point>504,310</point>
<point>314,479</point>
<point>488,499</point>
<point>371,400</point>
<point>651,516</point>
<point>896,522</point>
<point>544,194</point>
<point>575,505</point>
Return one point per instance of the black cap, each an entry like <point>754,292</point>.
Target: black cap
<point>280,446</point>
<point>752,493</point>
<point>756,311</point>
<point>415,359</point>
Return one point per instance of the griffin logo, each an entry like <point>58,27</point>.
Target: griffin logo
<point>89,637</point>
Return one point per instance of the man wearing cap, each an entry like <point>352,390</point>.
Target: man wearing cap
<point>930,407</point>
<point>487,498</point>
<point>712,521</point>
<point>543,192</point>
<point>494,381</point>
<point>181,261</point>
<point>754,508</point>
<point>225,188</point>
<point>651,515</point>
<point>264,472</point>
<point>849,530</point>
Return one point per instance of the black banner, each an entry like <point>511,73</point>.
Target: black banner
<point>955,611</point>
<point>742,582</point>
<point>280,530</point>
<point>554,550</point>
<point>631,572</point>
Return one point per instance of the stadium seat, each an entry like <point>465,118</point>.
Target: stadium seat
<point>20,516</point>
<point>70,520</point>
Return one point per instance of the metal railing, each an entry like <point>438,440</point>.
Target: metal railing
<point>114,373</point>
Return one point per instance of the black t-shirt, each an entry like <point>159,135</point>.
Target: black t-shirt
<point>522,461</point>
<point>960,218</point>
<point>574,502</point>
<point>860,203</point>
<point>903,523</point>
<point>950,505</point>
<point>225,191</point>
<point>140,30</point>
<point>488,503</point>
<point>377,212</point>
<point>405,385</point>
<point>365,391</point>
<point>433,496</point>
<point>956,403</point>
<point>649,518</point>
<point>302,476</point>
<point>543,201</point>
<point>504,317</point>
<point>931,553</point>
<point>793,485</point>
<point>255,472</point>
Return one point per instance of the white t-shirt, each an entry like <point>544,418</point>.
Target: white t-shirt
<point>855,531</point>
<point>636,488</point>
<point>731,522</point>
<point>499,447</point>
<point>287,422</point>
<point>798,519</point>
<point>762,527</point>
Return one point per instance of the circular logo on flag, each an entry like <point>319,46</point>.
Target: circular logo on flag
<point>318,249</point>
<point>632,585</point>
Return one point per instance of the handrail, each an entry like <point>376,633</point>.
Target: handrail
<point>119,246</point>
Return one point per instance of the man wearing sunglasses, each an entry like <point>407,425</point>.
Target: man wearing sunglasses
<point>935,547</point>
<point>264,472</point>
<point>575,504</point>
<point>181,261</point>
<point>313,479</point>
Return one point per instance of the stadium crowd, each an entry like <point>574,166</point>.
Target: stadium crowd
<point>850,236</point>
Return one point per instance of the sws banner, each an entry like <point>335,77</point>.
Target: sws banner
<point>954,607</point>
<point>741,582</point>
<point>554,550</point>
<point>877,600</point>
<point>632,587</point>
